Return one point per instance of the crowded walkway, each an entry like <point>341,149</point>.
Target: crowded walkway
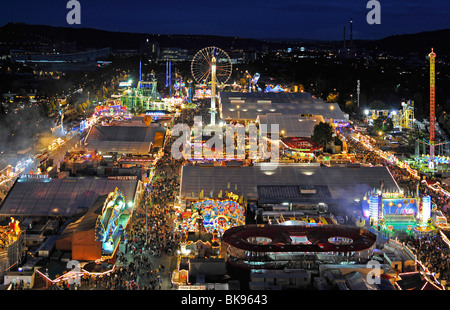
<point>431,251</point>
<point>149,254</point>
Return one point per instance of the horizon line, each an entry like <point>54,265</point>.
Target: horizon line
<point>219,35</point>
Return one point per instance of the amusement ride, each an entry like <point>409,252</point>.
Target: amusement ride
<point>211,65</point>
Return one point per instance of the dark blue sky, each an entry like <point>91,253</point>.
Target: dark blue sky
<point>314,19</point>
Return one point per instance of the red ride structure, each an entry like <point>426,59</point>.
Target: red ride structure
<point>269,243</point>
<point>432,57</point>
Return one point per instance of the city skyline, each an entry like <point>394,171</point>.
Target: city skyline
<point>287,19</point>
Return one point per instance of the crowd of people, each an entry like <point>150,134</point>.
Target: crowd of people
<point>432,251</point>
<point>152,232</point>
<point>404,179</point>
<point>153,223</point>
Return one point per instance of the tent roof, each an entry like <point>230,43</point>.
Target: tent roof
<point>342,182</point>
<point>60,197</point>
<point>415,281</point>
<point>250,105</point>
<point>293,125</point>
<point>123,139</point>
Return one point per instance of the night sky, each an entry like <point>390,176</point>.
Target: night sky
<point>318,19</point>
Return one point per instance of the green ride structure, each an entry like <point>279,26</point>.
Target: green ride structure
<point>144,97</point>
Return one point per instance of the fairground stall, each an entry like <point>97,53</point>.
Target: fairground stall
<point>11,246</point>
<point>216,215</point>
<point>112,108</point>
<point>110,225</point>
<point>392,212</point>
<point>300,148</point>
<point>97,234</point>
<point>202,224</point>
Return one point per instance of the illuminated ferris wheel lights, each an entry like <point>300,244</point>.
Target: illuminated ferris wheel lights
<point>201,65</point>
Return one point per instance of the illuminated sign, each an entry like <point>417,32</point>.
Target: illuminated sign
<point>426,208</point>
<point>216,215</point>
<point>373,207</point>
<point>125,84</point>
<point>192,287</point>
<point>34,176</point>
<point>402,206</point>
<point>155,113</point>
<point>125,177</point>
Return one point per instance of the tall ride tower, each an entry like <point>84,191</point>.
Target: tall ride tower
<point>432,55</point>
<point>169,76</point>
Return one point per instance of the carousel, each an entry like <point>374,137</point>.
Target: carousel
<point>9,234</point>
<point>216,215</point>
<point>203,224</point>
<point>11,245</point>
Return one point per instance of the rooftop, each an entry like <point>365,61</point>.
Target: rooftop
<point>124,139</point>
<point>247,106</point>
<point>341,182</point>
<point>60,197</point>
<point>292,125</point>
<point>281,238</point>
<point>415,281</point>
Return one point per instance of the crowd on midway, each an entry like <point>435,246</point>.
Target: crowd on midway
<point>432,251</point>
<point>151,233</point>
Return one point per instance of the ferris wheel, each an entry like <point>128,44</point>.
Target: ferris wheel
<point>202,63</point>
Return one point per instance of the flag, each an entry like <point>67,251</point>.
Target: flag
<point>201,194</point>
<point>220,194</point>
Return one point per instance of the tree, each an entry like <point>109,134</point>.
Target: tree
<point>378,104</point>
<point>243,82</point>
<point>140,109</point>
<point>415,136</point>
<point>383,124</point>
<point>332,98</point>
<point>323,134</point>
<point>388,125</point>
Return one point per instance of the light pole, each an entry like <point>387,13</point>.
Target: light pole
<point>358,88</point>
